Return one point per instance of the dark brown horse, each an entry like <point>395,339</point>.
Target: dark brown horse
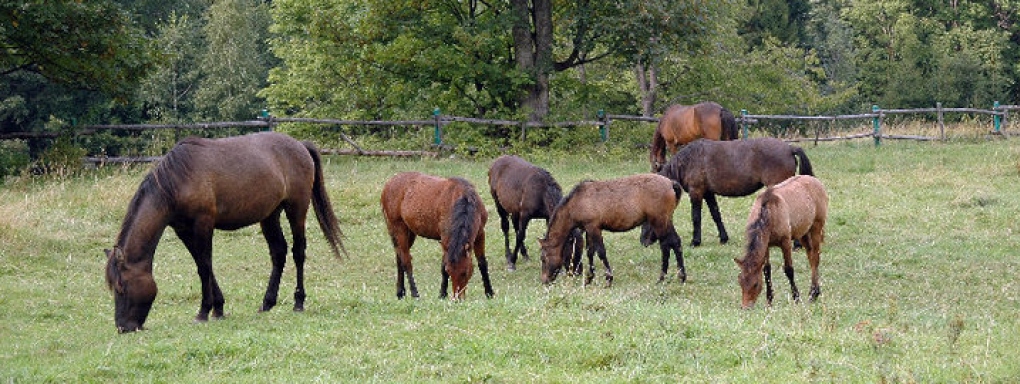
<point>448,210</point>
<point>204,184</point>
<point>682,124</point>
<point>707,168</point>
<point>793,209</point>
<point>614,205</point>
<point>523,192</point>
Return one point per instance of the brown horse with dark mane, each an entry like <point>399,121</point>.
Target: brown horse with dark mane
<point>207,184</point>
<point>523,192</point>
<point>448,210</point>
<point>793,209</point>
<point>707,168</point>
<point>682,124</point>
<point>614,205</point>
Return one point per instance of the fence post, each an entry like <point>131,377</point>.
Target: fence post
<point>603,125</point>
<point>876,122</point>
<point>942,121</point>
<point>743,122</point>
<point>437,136</point>
<point>997,121</point>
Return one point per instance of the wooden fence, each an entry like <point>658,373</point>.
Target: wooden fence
<point>999,113</point>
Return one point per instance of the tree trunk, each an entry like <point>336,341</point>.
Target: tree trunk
<point>533,42</point>
<point>648,82</point>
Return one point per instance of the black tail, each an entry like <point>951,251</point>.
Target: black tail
<point>323,208</point>
<point>462,227</point>
<point>729,125</point>
<point>805,164</point>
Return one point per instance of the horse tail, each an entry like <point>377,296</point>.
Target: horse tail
<point>805,164</point>
<point>657,155</point>
<point>462,227</point>
<point>323,208</point>
<point>729,125</point>
<point>678,189</point>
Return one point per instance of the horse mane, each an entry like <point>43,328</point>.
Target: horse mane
<point>552,192</point>
<point>462,222</point>
<point>673,168</point>
<point>757,230</point>
<point>162,182</point>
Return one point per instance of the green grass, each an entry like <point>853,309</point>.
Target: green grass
<point>919,284</point>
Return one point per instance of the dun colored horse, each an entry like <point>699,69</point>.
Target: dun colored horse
<point>614,205</point>
<point>207,184</point>
<point>682,124</point>
<point>523,192</point>
<point>448,210</point>
<point>708,168</point>
<point>794,209</point>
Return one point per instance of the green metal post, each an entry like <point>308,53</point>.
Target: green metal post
<point>743,122</point>
<point>603,130</point>
<point>996,118</point>
<point>878,126</point>
<point>437,137</point>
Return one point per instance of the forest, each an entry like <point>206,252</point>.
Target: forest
<point>146,61</point>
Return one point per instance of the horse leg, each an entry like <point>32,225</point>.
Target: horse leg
<point>446,280</point>
<point>600,247</point>
<point>521,228</point>
<point>198,240</point>
<point>590,244</point>
<point>696,219</point>
<point>769,294</point>
<point>277,255</point>
<point>504,224</point>
<point>578,238</point>
<point>483,265</point>
<point>787,246</point>
<point>403,239</point>
<point>812,244</point>
<point>713,208</point>
<point>296,217</point>
<point>671,241</point>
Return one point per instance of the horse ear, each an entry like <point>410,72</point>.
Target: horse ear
<point>738,261</point>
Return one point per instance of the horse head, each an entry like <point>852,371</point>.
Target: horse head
<point>750,281</point>
<point>552,259</point>
<point>459,269</point>
<point>133,288</point>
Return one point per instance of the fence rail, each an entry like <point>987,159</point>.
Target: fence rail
<point>1000,114</point>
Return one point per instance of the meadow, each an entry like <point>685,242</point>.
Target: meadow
<point>919,284</point>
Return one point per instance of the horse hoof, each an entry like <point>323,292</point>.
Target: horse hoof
<point>511,267</point>
<point>299,308</point>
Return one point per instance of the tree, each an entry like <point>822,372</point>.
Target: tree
<point>90,45</point>
<point>236,60</point>
<point>168,91</point>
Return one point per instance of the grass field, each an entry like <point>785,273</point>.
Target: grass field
<point>919,284</point>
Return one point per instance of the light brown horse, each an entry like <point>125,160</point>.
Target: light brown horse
<point>682,124</point>
<point>793,209</point>
<point>206,184</point>
<point>523,191</point>
<point>448,210</point>
<point>615,205</point>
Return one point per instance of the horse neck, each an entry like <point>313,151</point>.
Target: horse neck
<point>758,237</point>
<point>560,225</point>
<point>143,226</point>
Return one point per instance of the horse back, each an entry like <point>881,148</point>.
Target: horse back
<point>624,203</point>
<point>241,180</point>
<point>804,201</point>
<point>422,203</point>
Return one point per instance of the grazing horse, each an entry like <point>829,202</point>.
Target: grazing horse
<point>207,184</point>
<point>707,168</point>
<point>682,124</point>
<point>448,210</point>
<point>523,192</point>
<point>614,205</point>
<point>794,209</point>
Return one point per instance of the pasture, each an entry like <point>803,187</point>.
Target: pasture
<point>918,275</point>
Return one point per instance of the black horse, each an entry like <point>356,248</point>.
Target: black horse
<point>706,168</point>
<point>207,184</point>
<point>523,192</point>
